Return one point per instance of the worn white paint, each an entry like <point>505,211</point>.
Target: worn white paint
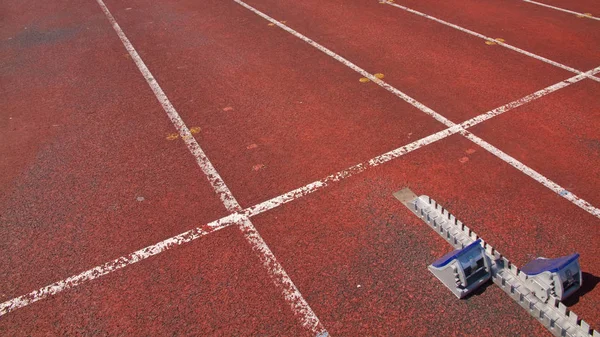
<point>561,9</point>
<point>298,304</point>
<point>116,264</point>
<point>241,217</point>
<point>487,38</point>
<point>516,164</point>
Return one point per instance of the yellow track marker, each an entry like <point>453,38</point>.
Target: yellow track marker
<point>365,80</point>
<point>271,24</point>
<point>491,43</point>
<point>584,15</point>
<point>194,130</point>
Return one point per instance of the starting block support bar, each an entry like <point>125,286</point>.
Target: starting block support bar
<point>551,312</point>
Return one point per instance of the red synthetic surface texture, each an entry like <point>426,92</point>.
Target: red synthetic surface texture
<point>455,74</point>
<point>555,35</point>
<point>88,173</point>
<point>212,286</point>
<point>249,83</point>
<point>104,181</point>
<point>356,233</point>
<point>353,122</point>
<point>556,136</point>
<point>581,6</point>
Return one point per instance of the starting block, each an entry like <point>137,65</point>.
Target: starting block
<point>463,270</point>
<point>538,287</point>
<point>559,277</point>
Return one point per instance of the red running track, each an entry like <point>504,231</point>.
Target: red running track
<point>92,171</point>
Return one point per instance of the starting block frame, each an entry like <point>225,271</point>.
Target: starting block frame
<point>551,312</point>
<point>463,270</point>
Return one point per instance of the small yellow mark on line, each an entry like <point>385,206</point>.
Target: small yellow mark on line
<point>491,43</point>
<point>584,15</point>
<point>193,130</point>
<point>365,80</point>
<point>271,24</point>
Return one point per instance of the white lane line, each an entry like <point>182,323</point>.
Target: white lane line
<point>349,64</point>
<point>281,278</point>
<point>562,9</point>
<point>303,312</point>
<point>514,104</point>
<point>503,44</point>
<point>349,172</point>
<point>264,206</point>
<point>518,165</point>
<point>116,264</point>
<point>534,174</point>
<point>301,309</point>
<point>203,162</point>
<point>381,159</point>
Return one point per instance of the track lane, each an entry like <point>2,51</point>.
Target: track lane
<point>108,181</point>
<point>356,233</point>
<point>274,112</point>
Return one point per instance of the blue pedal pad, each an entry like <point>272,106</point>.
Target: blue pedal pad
<point>463,270</point>
<point>559,277</point>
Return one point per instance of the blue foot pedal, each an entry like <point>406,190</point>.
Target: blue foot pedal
<point>463,270</point>
<point>559,277</point>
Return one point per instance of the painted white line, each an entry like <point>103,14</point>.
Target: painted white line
<point>381,159</point>
<point>349,172</point>
<point>246,226</point>
<point>514,104</point>
<point>561,9</point>
<point>534,174</point>
<point>349,64</point>
<point>203,162</point>
<point>281,278</point>
<point>503,44</point>
<point>298,304</point>
<point>117,264</point>
<point>298,193</point>
<point>522,167</point>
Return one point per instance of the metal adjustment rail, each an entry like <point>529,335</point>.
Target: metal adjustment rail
<point>550,311</point>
